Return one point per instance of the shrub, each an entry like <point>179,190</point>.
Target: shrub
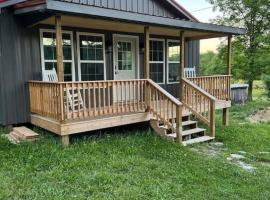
<point>266,80</point>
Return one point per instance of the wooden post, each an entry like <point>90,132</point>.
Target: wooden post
<point>179,127</point>
<point>225,120</point>
<point>229,56</point>
<point>65,140</point>
<point>146,53</point>
<point>182,63</point>
<point>59,49</point>
<point>147,65</point>
<point>212,119</point>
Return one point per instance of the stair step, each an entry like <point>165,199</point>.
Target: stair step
<point>25,133</point>
<point>198,140</point>
<point>188,132</point>
<point>188,123</point>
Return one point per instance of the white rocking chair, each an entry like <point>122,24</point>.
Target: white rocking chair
<point>51,76</point>
<point>190,72</point>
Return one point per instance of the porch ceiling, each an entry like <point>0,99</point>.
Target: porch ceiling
<point>111,25</point>
<point>81,15</point>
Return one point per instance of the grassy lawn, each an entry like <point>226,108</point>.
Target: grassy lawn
<point>139,165</point>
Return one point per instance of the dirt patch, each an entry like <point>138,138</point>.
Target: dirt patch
<point>210,149</point>
<point>239,160</point>
<point>260,116</point>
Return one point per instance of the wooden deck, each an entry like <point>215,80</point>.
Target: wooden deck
<point>80,125</point>
<point>66,108</point>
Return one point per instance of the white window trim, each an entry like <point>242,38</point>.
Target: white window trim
<point>87,61</point>
<point>168,62</point>
<point>41,31</point>
<point>159,62</point>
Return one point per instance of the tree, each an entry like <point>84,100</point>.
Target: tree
<point>254,16</point>
<point>210,63</point>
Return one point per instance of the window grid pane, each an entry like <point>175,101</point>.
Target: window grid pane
<point>49,49</point>
<point>157,61</point>
<point>67,69</point>
<point>91,48</point>
<point>92,71</point>
<point>124,56</point>
<point>173,61</point>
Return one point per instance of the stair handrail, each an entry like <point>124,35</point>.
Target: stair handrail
<point>173,107</point>
<point>204,106</point>
<point>168,95</point>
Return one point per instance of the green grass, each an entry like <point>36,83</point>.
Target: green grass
<point>138,165</point>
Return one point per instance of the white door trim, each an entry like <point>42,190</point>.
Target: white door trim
<point>137,52</point>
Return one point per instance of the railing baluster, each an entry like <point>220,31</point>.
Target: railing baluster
<point>109,97</point>
<point>89,98</point>
<point>95,99</point>
<point>84,100</point>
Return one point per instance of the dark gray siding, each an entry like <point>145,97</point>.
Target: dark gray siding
<point>20,62</point>
<point>148,7</point>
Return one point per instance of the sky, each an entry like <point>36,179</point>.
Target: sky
<point>203,11</point>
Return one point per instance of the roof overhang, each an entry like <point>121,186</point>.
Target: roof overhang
<point>6,3</point>
<point>66,8</point>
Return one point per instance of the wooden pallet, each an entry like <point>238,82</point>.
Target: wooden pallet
<point>19,134</point>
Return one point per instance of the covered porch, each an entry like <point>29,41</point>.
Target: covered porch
<point>79,105</point>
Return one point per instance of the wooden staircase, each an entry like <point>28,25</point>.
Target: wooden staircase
<point>191,133</point>
<point>174,120</point>
<point>19,134</point>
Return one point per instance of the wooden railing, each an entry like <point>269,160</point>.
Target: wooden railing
<point>165,108</point>
<point>200,103</point>
<point>45,99</point>
<point>92,99</point>
<point>76,100</point>
<point>218,86</point>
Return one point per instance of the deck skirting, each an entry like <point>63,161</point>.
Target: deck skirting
<point>80,126</point>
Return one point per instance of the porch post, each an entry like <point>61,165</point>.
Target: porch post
<point>65,140</point>
<point>147,66</point>
<point>59,49</point>
<point>229,57</point>
<point>229,72</point>
<point>146,53</point>
<point>182,63</point>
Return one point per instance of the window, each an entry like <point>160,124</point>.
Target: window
<point>173,59</point>
<point>91,57</point>
<point>157,60</point>
<point>48,50</point>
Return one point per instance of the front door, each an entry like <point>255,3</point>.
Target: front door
<point>125,65</point>
<point>124,58</point>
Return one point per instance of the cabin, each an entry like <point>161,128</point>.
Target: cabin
<point>72,66</point>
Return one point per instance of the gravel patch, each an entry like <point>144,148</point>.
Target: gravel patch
<point>260,116</point>
<point>238,159</point>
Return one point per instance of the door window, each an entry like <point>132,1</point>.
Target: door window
<point>124,55</point>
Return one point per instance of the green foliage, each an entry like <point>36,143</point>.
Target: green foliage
<point>138,165</point>
<point>211,64</point>
<point>266,80</point>
<point>251,56</point>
